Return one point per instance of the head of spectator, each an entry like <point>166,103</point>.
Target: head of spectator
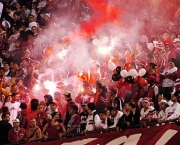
<point>8,9</point>
<point>84,106</point>
<point>175,97</point>
<point>173,34</point>
<point>16,123</point>
<point>167,48</point>
<point>19,82</point>
<point>145,103</point>
<point>57,96</point>
<point>41,109</point>
<point>27,54</point>
<point>68,96</point>
<point>23,106</point>
<point>113,93</point>
<point>31,18</point>
<point>165,36</point>
<point>5,109</point>
<point>33,122</point>
<point>15,16</point>
<point>176,42</point>
<point>152,67</point>
<point>163,104</point>
<point>6,116</point>
<point>30,69</point>
<point>6,67</point>
<point>48,99</point>
<point>102,115</point>
<point>73,109</point>
<point>172,62</point>
<point>18,45</point>
<point>107,112</point>
<point>47,17</point>
<point>14,88</point>
<point>91,107</point>
<point>22,90</point>
<point>160,97</point>
<point>25,62</point>
<point>14,97</point>
<point>34,104</point>
<point>113,111</point>
<point>132,106</point>
<point>7,98</point>
<point>139,47</point>
<point>53,106</point>
<point>30,35</point>
<point>99,86</point>
<point>34,29</point>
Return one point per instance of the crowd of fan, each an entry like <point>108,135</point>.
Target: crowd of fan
<point>24,118</point>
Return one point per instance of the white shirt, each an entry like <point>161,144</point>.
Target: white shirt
<point>13,109</point>
<point>90,125</point>
<point>168,82</point>
<point>102,124</point>
<point>162,115</point>
<point>173,111</point>
<point>150,112</point>
<point>116,118</point>
<point>1,8</point>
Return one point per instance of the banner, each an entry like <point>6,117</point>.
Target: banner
<point>165,134</point>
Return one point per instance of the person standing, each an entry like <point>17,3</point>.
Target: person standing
<point>13,106</point>
<point>5,126</point>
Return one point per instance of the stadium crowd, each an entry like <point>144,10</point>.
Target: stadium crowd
<point>110,106</point>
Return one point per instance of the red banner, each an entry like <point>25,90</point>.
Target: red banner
<point>165,134</point>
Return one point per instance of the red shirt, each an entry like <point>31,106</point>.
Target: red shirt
<point>16,135</point>
<point>26,121</point>
<point>41,119</point>
<point>53,130</point>
<point>74,121</point>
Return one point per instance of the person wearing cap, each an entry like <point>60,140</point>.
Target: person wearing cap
<point>173,111</point>
<point>148,113</point>
<point>163,104</point>
<point>83,115</point>
<point>73,125</point>
<point>168,76</point>
<point>5,126</point>
<point>17,134</point>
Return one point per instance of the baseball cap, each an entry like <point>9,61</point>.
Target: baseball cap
<point>146,100</point>
<point>15,120</point>
<point>163,101</point>
<point>83,103</point>
<point>176,40</point>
